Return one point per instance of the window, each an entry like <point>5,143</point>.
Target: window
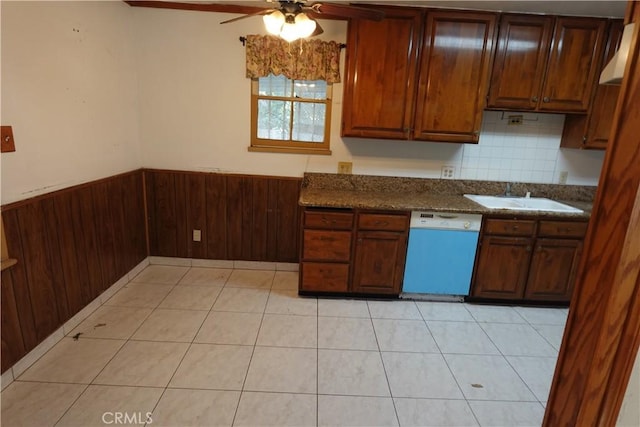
<point>290,116</point>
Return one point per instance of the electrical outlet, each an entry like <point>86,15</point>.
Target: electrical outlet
<point>197,235</point>
<point>515,119</point>
<point>345,168</point>
<point>447,172</point>
<point>563,177</point>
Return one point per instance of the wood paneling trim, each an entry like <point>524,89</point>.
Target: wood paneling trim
<point>71,189</point>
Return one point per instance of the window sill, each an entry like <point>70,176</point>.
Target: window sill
<point>290,150</point>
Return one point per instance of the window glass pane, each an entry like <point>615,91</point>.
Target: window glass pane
<point>308,123</point>
<point>310,89</point>
<point>274,86</point>
<point>274,118</point>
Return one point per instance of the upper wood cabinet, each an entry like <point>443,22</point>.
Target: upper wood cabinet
<point>386,97</point>
<point>521,57</point>
<point>380,78</point>
<point>535,57</point>
<point>592,130</point>
<point>454,75</point>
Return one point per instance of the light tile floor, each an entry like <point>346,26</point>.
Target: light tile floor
<point>180,346</point>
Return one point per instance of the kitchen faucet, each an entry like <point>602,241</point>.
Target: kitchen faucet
<point>507,191</point>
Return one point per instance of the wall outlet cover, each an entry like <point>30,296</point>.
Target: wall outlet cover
<point>345,168</point>
<point>564,175</point>
<point>447,172</point>
<point>197,235</point>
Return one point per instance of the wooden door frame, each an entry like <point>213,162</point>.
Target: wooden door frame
<point>602,334</point>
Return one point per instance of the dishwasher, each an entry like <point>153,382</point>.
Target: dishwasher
<point>440,254</point>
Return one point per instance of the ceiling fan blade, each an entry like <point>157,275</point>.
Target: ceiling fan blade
<point>204,7</point>
<point>260,12</point>
<point>317,31</point>
<point>346,11</point>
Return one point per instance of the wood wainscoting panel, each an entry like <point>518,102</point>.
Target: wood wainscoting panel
<point>215,237</point>
<point>240,217</point>
<point>70,245</point>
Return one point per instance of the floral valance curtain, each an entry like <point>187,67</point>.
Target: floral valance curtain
<point>299,60</point>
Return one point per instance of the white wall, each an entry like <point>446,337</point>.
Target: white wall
<point>195,113</point>
<point>69,89</point>
<point>630,411</point>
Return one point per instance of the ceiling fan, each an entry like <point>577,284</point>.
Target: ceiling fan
<point>292,19</point>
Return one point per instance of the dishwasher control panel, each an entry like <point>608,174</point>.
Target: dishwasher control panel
<point>446,220</point>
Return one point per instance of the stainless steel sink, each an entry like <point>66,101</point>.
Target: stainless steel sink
<point>522,203</point>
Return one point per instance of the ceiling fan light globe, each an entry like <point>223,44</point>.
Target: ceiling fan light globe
<point>273,22</point>
<point>290,32</point>
<point>305,25</point>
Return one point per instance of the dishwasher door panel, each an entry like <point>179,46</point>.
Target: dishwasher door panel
<point>440,261</point>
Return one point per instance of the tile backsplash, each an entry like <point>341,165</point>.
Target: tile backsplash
<point>527,152</point>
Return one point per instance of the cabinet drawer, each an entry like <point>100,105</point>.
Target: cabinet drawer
<point>510,227</point>
<point>327,245</point>
<point>562,229</point>
<point>383,222</point>
<point>328,220</point>
<point>324,277</point>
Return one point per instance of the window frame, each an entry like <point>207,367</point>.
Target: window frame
<point>289,146</point>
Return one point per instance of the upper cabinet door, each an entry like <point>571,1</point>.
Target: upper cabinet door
<point>573,64</point>
<point>380,78</point>
<point>605,98</point>
<point>454,74</point>
<point>521,56</point>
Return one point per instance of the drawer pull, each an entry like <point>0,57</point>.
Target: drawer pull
<point>515,227</point>
<point>382,223</point>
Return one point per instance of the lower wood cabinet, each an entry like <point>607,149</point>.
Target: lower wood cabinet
<point>353,251</point>
<point>379,262</point>
<point>501,267</point>
<point>533,260</point>
<point>553,269</point>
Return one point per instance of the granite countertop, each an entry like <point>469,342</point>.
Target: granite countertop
<point>392,193</point>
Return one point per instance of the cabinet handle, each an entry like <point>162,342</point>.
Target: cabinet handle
<point>476,132</point>
<point>534,99</point>
<point>545,99</point>
<point>515,228</point>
